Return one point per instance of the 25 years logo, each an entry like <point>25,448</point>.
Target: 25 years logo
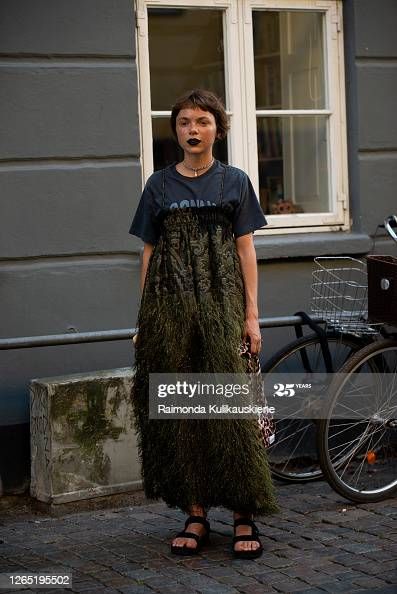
<point>289,390</point>
<point>284,390</point>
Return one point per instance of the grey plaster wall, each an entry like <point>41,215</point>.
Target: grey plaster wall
<point>376,79</point>
<point>70,179</point>
<point>68,208</point>
<point>67,28</point>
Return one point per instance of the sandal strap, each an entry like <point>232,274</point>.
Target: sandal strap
<point>198,520</point>
<point>190,535</point>
<point>250,537</point>
<point>245,522</point>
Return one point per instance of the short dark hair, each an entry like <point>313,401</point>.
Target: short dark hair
<point>207,101</point>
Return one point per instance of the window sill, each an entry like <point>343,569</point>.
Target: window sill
<point>299,245</point>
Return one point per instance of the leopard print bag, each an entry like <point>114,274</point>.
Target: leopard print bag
<point>266,422</point>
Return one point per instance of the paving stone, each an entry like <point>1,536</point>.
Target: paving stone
<point>237,580</point>
<point>385,590</point>
<point>310,591</point>
<point>349,575</point>
<point>257,589</point>
<point>200,582</point>
<point>125,568</point>
<point>306,574</point>
<point>249,569</point>
<point>85,586</point>
<point>135,589</point>
<point>344,559</point>
<point>334,587</point>
<point>358,547</point>
<point>277,562</point>
<point>268,578</point>
<point>372,568</point>
<point>390,576</point>
<point>370,582</point>
<point>291,585</point>
<point>174,588</point>
<point>104,575</point>
<point>95,590</point>
<point>381,555</point>
<point>293,554</point>
<point>219,571</point>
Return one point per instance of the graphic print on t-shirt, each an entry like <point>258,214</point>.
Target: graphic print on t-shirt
<point>192,202</point>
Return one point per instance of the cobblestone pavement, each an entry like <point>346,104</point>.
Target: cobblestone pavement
<point>318,543</point>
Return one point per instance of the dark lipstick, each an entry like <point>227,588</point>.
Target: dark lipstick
<point>193,141</point>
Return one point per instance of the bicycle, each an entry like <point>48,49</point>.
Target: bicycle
<point>325,350</point>
<point>357,438</point>
<point>306,354</point>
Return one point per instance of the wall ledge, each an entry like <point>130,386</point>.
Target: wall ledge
<point>300,245</point>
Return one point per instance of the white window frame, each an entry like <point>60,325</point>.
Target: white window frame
<point>240,100</point>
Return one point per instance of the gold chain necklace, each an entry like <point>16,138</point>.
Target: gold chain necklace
<point>195,169</point>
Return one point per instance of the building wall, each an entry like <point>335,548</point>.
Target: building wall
<point>376,79</point>
<point>69,174</point>
<point>71,179</point>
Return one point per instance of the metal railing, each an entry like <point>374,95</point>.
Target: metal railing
<point>27,342</point>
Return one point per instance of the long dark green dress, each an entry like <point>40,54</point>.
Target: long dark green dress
<point>191,319</point>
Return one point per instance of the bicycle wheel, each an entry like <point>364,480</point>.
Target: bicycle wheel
<point>357,441</point>
<point>293,456</point>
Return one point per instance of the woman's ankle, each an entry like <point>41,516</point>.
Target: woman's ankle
<point>197,510</point>
<point>237,515</point>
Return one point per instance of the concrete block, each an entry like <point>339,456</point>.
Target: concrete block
<point>83,442</point>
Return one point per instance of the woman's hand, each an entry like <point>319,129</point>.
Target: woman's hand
<point>246,253</point>
<point>252,333</point>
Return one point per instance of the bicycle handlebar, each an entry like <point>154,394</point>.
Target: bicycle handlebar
<point>390,224</point>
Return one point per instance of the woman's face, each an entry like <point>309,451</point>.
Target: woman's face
<point>196,130</point>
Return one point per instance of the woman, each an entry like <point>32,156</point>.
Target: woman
<point>199,301</point>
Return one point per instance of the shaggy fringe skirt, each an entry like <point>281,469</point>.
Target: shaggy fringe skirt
<point>191,319</point>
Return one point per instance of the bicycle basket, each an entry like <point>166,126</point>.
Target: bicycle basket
<point>382,289</point>
<point>339,293</point>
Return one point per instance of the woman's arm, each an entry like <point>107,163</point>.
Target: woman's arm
<point>247,255</point>
<point>147,252</point>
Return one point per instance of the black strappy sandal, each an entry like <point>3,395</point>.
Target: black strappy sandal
<point>201,540</point>
<point>253,553</point>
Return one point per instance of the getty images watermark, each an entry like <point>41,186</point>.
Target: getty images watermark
<point>206,396</point>
<point>283,395</point>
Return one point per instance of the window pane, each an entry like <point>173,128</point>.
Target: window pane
<point>166,149</point>
<point>293,164</point>
<point>289,60</point>
<point>185,52</point>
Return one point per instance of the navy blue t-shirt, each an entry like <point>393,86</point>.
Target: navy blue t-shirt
<point>204,190</point>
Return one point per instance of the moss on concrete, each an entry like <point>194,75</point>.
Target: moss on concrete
<point>88,410</point>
